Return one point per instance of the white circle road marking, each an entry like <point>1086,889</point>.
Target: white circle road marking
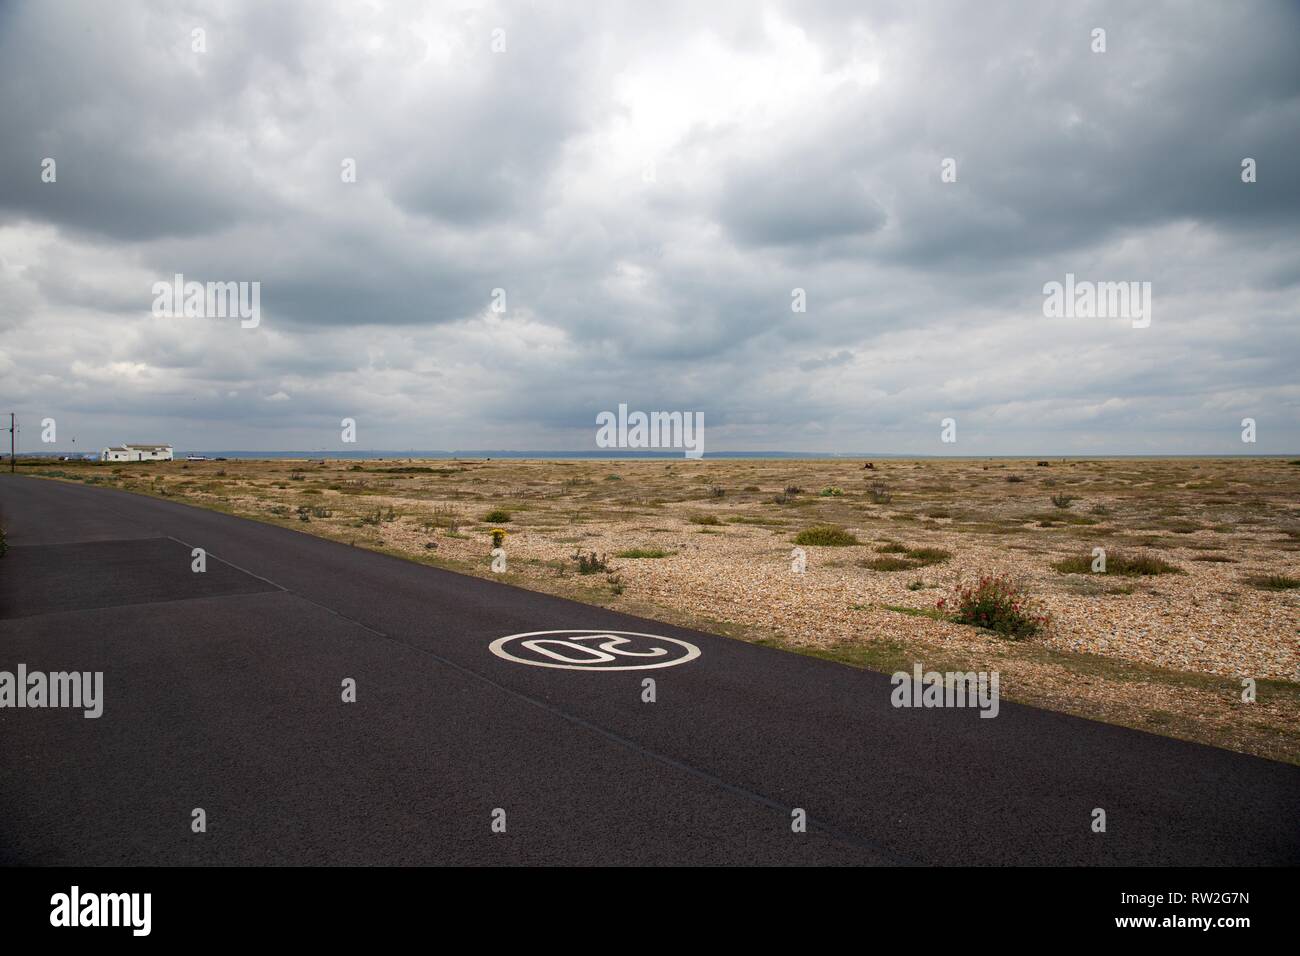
<point>567,654</point>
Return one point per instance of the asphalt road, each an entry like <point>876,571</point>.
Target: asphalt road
<point>222,691</point>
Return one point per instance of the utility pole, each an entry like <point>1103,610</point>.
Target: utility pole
<point>12,426</point>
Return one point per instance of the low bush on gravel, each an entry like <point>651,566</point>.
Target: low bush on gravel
<point>997,604</point>
<point>592,563</point>
<point>887,564</point>
<point>879,493</point>
<point>705,519</point>
<point>928,555</point>
<point>378,516</point>
<point>1273,582</point>
<point>1128,566</point>
<point>826,535</point>
<point>645,553</point>
<point>496,516</point>
<point>1063,501</point>
<point>907,559</point>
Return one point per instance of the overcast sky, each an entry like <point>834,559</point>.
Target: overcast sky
<point>648,182</point>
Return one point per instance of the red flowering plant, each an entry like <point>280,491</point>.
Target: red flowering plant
<point>998,604</point>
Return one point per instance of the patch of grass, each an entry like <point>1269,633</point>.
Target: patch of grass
<point>888,564</point>
<point>1273,582</point>
<point>497,516</point>
<point>1059,520</point>
<point>932,613</point>
<point>879,493</point>
<point>1214,558</point>
<point>645,553</point>
<point>1123,565</point>
<point>832,492</point>
<point>929,556</point>
<point>704,519</point>
<point>826,535</point>
<point>908,559</point>
<point>761,522</point>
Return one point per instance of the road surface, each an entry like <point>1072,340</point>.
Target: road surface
<point>223,693</point>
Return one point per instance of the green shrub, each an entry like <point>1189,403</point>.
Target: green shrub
<point>497,516</point>
<point>826,535</point>
<point>1063,500</point>
<point>996,604</point>
<point>592,563</point>
<point>1273,582</point>
<point>832,492</point>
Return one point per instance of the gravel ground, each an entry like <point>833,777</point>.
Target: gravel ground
<point>1219,523</point>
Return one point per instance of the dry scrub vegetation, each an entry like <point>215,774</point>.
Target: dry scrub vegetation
<point>1203,560</point>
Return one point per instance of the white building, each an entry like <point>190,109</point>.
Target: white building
<point>136,452</point>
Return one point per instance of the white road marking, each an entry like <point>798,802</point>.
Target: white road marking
<point>566,653</point>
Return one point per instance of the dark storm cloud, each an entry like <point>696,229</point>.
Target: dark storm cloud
<point>648,185</point>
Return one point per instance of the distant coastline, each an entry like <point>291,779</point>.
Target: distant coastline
<point>665,455</point>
